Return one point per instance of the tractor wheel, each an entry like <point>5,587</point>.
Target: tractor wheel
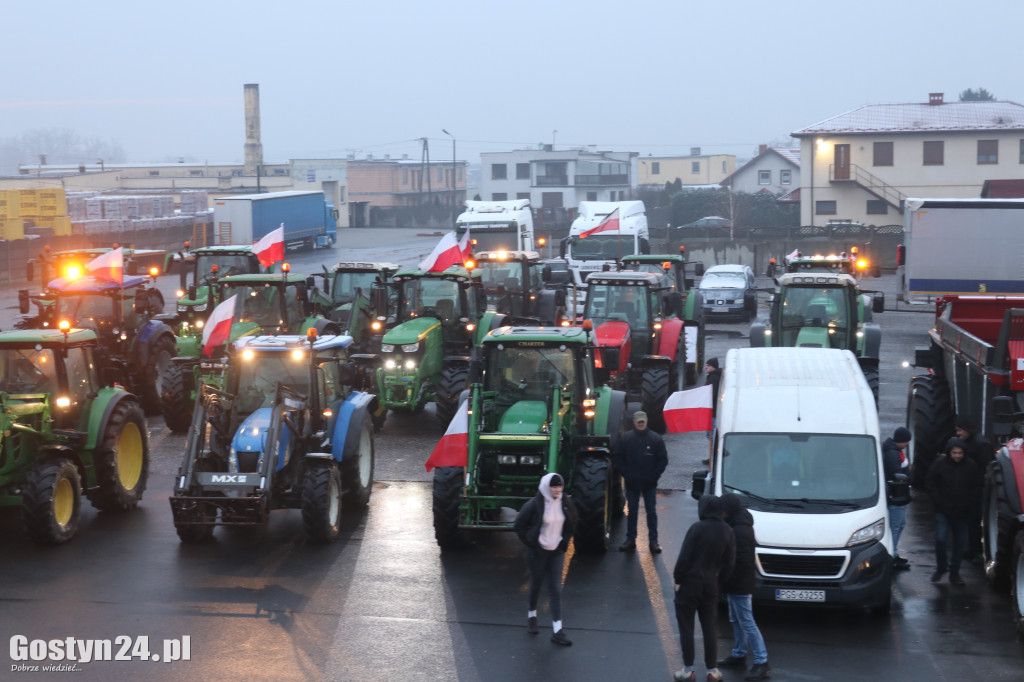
<point>151,392</point>
<point>357,470</point>
<point>453,381</point>
<point>618,424</point>
<point>654,391</point>
<point>121,459</point>
<point>590,492</point>
<point>447,493</point>
<point>155,300</point>
<point>997,527</point>
<point>190,533</point>
<point>321,501</point>
<point>872,378</point>
<point>176,401</point>
<point>930,420</point>
<point>51,501</point>
<point>679,368</point>
<point>1017,583</point>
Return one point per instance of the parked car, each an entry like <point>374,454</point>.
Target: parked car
<point>710,223</point>
<point>729,291</point>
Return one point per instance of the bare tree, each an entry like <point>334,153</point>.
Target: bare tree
<point>57,146</point>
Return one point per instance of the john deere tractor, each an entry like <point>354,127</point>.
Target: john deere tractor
<point>65,429</point>
<point>267,304</point>
<point>822,310</point>
<point>637,314</point>
<point>198,270</point>
<point>289,429</point>
<point>349,296</point>
<point>133,341</point>
<point>535,407</point>
<point>515,286</point>
<point>425,355</point>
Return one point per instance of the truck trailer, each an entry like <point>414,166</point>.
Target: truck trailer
<point>497,225</point>
<point>309,220</point>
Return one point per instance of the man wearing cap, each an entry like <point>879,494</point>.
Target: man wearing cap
<point>895,461</point>
<point>642,459</point>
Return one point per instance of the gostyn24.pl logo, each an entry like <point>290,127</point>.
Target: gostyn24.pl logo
<point>70,651</point>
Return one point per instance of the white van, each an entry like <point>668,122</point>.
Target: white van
<point>797,439</point>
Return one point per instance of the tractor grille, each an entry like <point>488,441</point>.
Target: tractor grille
<point>812,565</point>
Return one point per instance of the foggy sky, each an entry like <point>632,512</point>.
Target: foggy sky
<point>165,79</point>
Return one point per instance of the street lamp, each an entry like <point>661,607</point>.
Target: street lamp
<point>453,171</point>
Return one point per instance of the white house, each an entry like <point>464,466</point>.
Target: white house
<point>774,169</point>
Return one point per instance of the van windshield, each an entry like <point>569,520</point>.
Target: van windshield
<point>833,472</point>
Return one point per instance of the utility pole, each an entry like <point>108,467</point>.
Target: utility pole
<point>454,216</point>
<point>425,165</point>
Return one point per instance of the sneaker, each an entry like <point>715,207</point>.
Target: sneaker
<point>900,564</point>
<point>759,671</point>
<point>937,575</point>
<point>627,546</point>
<point>955,579</point>
<point>655,548</point>
<point>733,662</point>
<point>560,638</point>
<point>716,676</point>
<point>680,676</point>
<point>531,625</point>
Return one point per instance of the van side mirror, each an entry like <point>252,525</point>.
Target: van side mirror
<point>545,274</point>
<point>898,490</point>
<point>698,269</point>
<point>610,356</point>
<point>700,479</point>
<point>561,248</point>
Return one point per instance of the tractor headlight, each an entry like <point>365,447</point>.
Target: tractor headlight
<point>200,308</point>
<point>389,364</point>
<point>874,531</point>
<point>179,294</point>
<point>63,401</point>
<point>529,460</point>
<point>508,459</point>
<point>182,308</point>
<point>199,324</point>
<point>410,364</point>
<point>387,348</point>
<point>410,347</point>
<point>376,325</point>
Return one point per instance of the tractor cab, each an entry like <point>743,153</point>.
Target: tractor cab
<point>199,270</point>
<point>817,311</point>
<point>627,309</point>
<point>454,298</point>
<point>671,267</point>
<point>355,295</point>
<point>267,304</point>
<point>514,284</point>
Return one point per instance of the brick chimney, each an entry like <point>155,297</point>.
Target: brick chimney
<point>761,149</point>
<point>934,98</point>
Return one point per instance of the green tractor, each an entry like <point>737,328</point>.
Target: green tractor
<point>822,310</point>
<point>515,286</point>
<point>349,297</point>
<point>289,429</point>
<point>133,341</point>
<point>673,269</point>
<point>267,304</point>
<point>535,406</point>
<point>66,429</point>
<point>425,355</point>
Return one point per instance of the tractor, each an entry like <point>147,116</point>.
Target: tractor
<point>425,355</point>
<point>845,263</point>
<point>515,286</point>
<point>133,341</point>
<point>535,406</point>
<point>289,430</point>
<point>824,310</point>
<point>349,298</point>
<point>637,314</point>
<point>267,304</point>
<point>673,269</point>
<point>66,428</point>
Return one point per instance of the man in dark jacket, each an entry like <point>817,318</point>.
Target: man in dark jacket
<point>705,560</point>
<point>739,592</point>
<point>642,461</point>
<point>713,377</point>
<point>954,484</point>
<point>982,452</point>
<point>895,462</point>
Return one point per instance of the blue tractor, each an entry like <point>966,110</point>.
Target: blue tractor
<point>291,429</point>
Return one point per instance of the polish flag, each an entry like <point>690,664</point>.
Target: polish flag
<point>610,224</point>
<point>689,410</point>
<point>109,266</point>
<point>218,325</point>
<point>791,256</point>
<point>448,252</point>
<point>270,249</point>
<point>452,449</point>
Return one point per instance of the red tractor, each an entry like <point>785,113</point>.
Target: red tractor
<point>636,313</point>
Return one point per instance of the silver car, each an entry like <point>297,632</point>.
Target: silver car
<point>729,292</point>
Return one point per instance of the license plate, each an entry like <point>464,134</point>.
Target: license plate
<point>800,595</point>
<point>719,310</point>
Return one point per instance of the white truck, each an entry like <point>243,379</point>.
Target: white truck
<point>797,439</point>
<point>961,246</point>
<point>586,254</point>
<point>497,225</point>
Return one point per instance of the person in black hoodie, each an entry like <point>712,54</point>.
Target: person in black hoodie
<point>642,460</point>
<point>739,592</point>
<point>982,452</point>
<point>705,561</point>
<point>895,461</point>
<point>545,524</point>
<point>954,484</point>
<point>713,378</point>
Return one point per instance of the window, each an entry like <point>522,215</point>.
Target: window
<point>785,177</point>
<point>655,167</point>
<point>883,153</point>
<point>498,171</point>
<point>695,166</point>
<point>279,171</point>
<point>876,207</point>
<point>522,171</point>
<point>825,207</point>
<point>1022,151</point>
<point>934,153</point>
<point>988,151</point>
<point>499,196</point>
<point>591,196</point>
<point>195,172</point>
<point>236,172</point>
<point>405,176</point>
<point>522,195</point>
<point>154,173</point>
<point>764,177</point>
<point>723,167</point>
<point>440,173</point>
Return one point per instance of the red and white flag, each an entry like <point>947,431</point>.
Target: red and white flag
<point>218,325</point>
<point>791,256</point>
<point>448,252</point>
<point>452,450</point>
<point>610,224</point>
<point>689,410</point>
<point>270,249</point>
<point>109,266</point>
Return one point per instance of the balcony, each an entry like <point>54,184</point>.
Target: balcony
<point>552,181</point>
<point>602,179</point>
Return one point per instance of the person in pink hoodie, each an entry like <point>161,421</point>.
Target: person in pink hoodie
<point>545,524</point>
